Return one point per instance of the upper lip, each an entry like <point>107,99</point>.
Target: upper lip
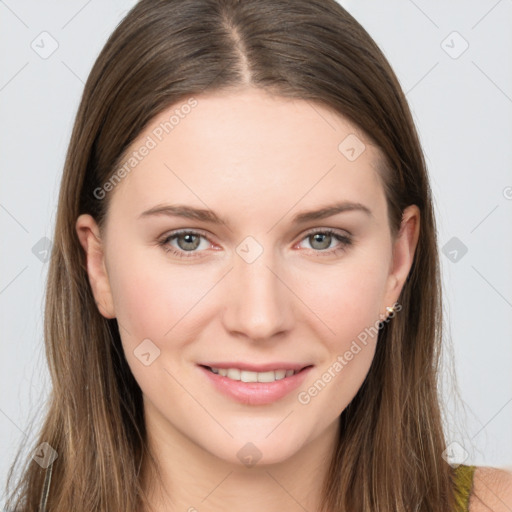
<point>266,367</point>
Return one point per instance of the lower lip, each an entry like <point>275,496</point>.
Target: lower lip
<point>256,393</point>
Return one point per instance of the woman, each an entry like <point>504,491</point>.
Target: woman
<point>243,308</point>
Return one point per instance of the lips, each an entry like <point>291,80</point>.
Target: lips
<point>255,384</point>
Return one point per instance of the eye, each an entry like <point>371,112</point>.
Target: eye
<point>187,242</point>
<point>321,240</point>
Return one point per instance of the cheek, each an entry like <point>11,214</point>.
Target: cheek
<point>153,298</point>
<point>347,302</point>
<point>346,298</point>
<point>349,306</point>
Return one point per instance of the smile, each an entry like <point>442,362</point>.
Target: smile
<point>255,387</point>
<point>248,376</point>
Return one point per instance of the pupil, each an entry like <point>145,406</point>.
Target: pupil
<point>318,238</point>
<point>189,242</point>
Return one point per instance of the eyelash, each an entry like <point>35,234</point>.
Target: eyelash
<point>346,241</point>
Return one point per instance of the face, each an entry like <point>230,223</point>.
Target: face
<point>250,282</point>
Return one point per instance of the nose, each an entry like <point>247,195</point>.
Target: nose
<point>259,302</point>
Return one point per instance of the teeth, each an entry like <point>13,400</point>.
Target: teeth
<point>266,376</point>
<point>247,376</point>
<point>233,373</point>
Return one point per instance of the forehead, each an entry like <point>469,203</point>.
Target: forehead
<point>249,147</point>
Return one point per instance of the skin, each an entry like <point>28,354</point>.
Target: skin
<point>256,160</point>
<point>492,490</point>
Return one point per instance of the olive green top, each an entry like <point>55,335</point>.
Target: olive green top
<point>464,485</point>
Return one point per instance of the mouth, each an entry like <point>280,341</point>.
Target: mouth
<point>251,387</point>
<point>254,376</point>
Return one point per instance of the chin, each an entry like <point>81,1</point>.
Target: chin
<point>258,450</point>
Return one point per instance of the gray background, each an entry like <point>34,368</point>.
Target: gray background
<point>461,100</point>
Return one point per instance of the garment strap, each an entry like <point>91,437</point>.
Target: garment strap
<point>464,485</point>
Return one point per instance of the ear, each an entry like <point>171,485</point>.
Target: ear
<point>90,238</point>
<point>404,248</point>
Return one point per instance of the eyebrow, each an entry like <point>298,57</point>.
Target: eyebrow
<point>189,212</point>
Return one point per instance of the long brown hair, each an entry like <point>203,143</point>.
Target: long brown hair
<point>389,453</point>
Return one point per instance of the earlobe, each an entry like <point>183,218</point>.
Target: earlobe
<point>90,239</point>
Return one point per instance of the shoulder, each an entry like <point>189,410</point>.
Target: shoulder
<point>492,490</point>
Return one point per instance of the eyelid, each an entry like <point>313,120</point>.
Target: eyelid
<point>186,231</point>
<point>337,231</point>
